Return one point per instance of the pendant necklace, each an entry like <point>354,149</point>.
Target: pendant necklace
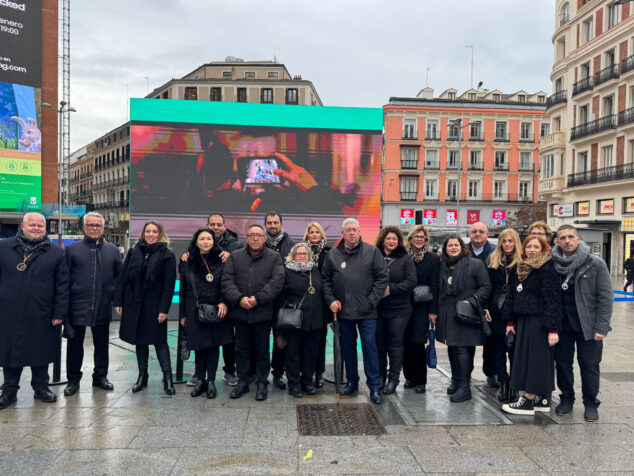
<point>22,266</point>
<point>564,285</point>
<point>209,277</point>
<point>311,289</point>
<point>519,288</point>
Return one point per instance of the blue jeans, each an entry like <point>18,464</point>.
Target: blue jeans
<point>367,331</point>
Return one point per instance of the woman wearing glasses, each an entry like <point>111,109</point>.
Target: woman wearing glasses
<point>425,308</point>
<point>541,228</point>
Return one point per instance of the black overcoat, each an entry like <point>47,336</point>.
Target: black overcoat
<point>142,301</point>
<point>284,246</point>
<point>402,280</point>
<point>295,285</point>
<point>474,286</point>
<point>501,279</point>
<point>29,302</point>
<point>94,266</point>
<point>427,274</point>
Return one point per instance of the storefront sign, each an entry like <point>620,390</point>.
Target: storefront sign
<point>473,216</point>
<point>606,207</point>
<point>583,208</point>
<point>628,205</point>
<point>407,216</point>
<point>452,217</point>
<point>554,209</point>
<point>498,218</point>
<point>429,217</point>
<point>566,210</point>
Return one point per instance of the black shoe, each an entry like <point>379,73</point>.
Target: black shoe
<point>420,389</point>
<point>279,382</point>
<point>103,383</point>
<point>453,386</point>
<point>383,380</point>
<point>211,389</point>
<point>240,390</point>
<point>523,406</point>
<point>408,384</point>
<point>308,389</point>
<point>261,392</point>
<point>390,387</point>
<point>493,381</point>
<point>319,381</point>
<point>462,394</point>
<point>591,413</point>
<point>45,395</point>
<point>7,398</point>
<point>541,403</point>
<point>71,389</point>
<point>168,384</point>
<point>375,397</point>
<point>295,391</point>
<point>140,382</point>
<point>199,388</point>
<point>503,392</point>
<point>349,390</point>
<point>564,407</point>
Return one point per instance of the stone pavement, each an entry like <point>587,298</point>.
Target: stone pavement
<point>97,432</point>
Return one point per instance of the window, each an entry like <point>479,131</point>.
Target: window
<point>523,190</point>
<point>191,93</point>
<point>606,156</point>
<point>242,94</point>
<point>608,106</point>
<point>452,189</point>
<point>500,160</point>
<point>215,94</point>
<point>453,161</point>
<point>432,130</point>
<point>584,70</point>
<point>474,189</point>
<point>266,96</point>
<point>544,129</point>
<point>609,58</point>
<point>409,187</point>
<point>557,124</point>
<point>452,96</point>
<point>227,74</point>
<point>475,130</point>
<point>526,131</point>
<point>613,15</point>
<point>291,96</point>
<point>541,99</point>
<point>166,95</point>
<point>272,75</point>
<point>454,131</point>
<point>525,161</point>
<point>559,84</point>
<point>472,96</point>
<point>561,48</point>
<point>409,128</point>
<point>583,114</point>
<point>430,188</point>
<point>582,162</point>
<point>548,166</point>
<point>497,97</point>
<point>587,29</point>
<point>409,159</point>
<point>500,131</point>
<point>474,160</point>
<point>521,98</point>
<point>565,14</point>
<point>249,75</point>
<point>431,159</point>
<point>499,189</point>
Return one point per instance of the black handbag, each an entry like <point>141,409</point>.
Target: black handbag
<point>290,317</point>
<point>422,293</point>
<point>509,339</point>
<point>205,313</point>
<point>497,302</point>
<point>468,314</point>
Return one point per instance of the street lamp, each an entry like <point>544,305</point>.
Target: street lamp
<point>458,123</point>
<point>63,107</point>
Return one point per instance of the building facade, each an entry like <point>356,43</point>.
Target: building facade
<point>587,159</point>
<point>457,159</point>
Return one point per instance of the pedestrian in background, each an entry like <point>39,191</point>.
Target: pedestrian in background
<point>628,266</point>
<point>541,228</point>
<point>143,296</point>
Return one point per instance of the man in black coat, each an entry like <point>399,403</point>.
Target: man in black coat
<point>481,249</point>
<point>33,300</point>
<point>94,266</point>
<point>355,277</point>
<point>277,240</point>
<point>252,279</point>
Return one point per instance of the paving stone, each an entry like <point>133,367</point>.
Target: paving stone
<point>26,462</point>
<point>499,436</point>
<point>462,459</point>
<point>78,438</point>
<point>606,457</point>
<point>417,436</point>
<point>232,461</point>
<point>590,434</point>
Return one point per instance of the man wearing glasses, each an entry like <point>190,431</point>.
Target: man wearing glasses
<point>94,266</point>
<point>252,278</point>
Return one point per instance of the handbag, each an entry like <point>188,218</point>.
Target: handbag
<point>290,317</point>
<point>509,339</point>
<point>205,313</point>
<point>497,302</point>
<point>422,293</point>
<point>468,314</point>
<point>430,350</point>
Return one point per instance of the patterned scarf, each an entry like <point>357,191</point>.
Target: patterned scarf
<point>529,264</point>
<point>417,256</point>
<point>317,248</point>
<point>295,266</point>
<point>273,241</point>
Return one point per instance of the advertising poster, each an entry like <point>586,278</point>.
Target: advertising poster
<point>473,216</point>
<point>566,210</point>
<point>629,205</point>
<point>308,163</point>
<point>452,217</point>
<point>606,207</point>
<point>407,216</point>
<point>20,100</point>
<point>498,218</point>
<point>429,217</point>
<point>583,208</point>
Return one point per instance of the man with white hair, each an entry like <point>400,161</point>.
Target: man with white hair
<point>33,300</point>
<point>94,266</point>
<point>355,278</point>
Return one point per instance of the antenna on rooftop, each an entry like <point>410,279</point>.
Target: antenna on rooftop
<point>471,46</point>
<point>428,68</point>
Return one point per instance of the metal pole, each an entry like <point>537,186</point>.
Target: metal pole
<point>60,174</point>
<point>459,176</point>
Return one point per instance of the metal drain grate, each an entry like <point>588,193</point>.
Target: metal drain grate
<point>333,419</point>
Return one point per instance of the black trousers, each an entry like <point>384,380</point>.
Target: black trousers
<point>277,361</point>
<point>321,356</point>
<point>228,355</point>
<point>207,363</point>
<point>260,334</point>
<point>389,342</point>
<point>75,352</point>
<point>461,361</point>
<point>162,354</point>
<point>415,363</point>
<point>300,355</point>
<point>39,378</point>
<point>489,353</point>
<point>589,353</point>
<point>501,352</point>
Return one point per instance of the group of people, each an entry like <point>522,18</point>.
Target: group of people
<point>527,304</point>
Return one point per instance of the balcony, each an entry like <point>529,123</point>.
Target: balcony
<point>501,137</point>
<point>408,196</point>
<point>557,98</point>
<point>582,86</point>
<point>551,184</point>
<point>564,19</point>
<point>432,165</point>
<point>409,134</point>
<point>475,165</point>
<point>503,166</point>
<point>432,135</point>
<point>593,127</point>
<point>506,197</point>
<point>626,116</point>
<point>526,167</point>
<point>627,64</point>
<point>453,136</point>
<point>527,138</point>
<point>409,164</point>
<point>606,74</point>
<point>453,166</point>
<point>84,175</point>
<point>476,137</point>
<point>606,174</point>
<point>556,139</point>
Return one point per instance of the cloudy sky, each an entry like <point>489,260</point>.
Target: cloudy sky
<point>356,53</point>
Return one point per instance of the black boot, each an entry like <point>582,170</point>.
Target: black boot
<point>390,387</point>
<point>503,392</point>
<point>163,355</point>
<point>168,383</point>
<point>199,388</point>
<point>462,393</point>
<point>211,389</point>
<point>453,386</point>
<point>383,380</point>
<point>142,354</point>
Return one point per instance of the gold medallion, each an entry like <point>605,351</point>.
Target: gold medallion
<point>311,290</point>
<point>21,267</point>
<point>209,277</point>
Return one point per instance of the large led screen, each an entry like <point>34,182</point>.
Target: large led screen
<point>20,99</point>
<point>309,163</point>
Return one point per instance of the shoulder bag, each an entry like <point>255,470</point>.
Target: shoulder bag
<point>467,313</point>
<point>290,316</point>
<point>422,293</point>
<point>205,313</point>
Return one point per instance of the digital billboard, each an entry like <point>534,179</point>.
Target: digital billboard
<point>20,102</point>
<point>309,163</point>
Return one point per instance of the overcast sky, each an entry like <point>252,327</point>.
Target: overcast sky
<point>356,53</point>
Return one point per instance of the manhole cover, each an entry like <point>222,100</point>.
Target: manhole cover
<point>338,419</point>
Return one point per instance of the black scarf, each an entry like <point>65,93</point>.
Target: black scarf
<point>454,268</point>
<point>28,246</point>
<point>196,263</point>
<point>145,261</point>
<point>317,248</point>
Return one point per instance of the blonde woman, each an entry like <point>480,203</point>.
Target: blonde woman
<point>501,266</point>
<point>143,296</point>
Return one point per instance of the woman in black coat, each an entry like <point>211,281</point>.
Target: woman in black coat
<point>502,264</point>
<point>203,269</point>
<point>395,308</point>
<point>302,287</point>
<point>143,296</point>
<point>427,271</point>
<point>462,278</point>
<point>315,236</point>
<point>533,311</point>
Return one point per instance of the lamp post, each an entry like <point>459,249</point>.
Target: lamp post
<point>63,107</point>
<point>458,123</point>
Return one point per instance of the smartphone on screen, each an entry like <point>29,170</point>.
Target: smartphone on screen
<point>258,170</point>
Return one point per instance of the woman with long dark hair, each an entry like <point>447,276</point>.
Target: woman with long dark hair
<point>143,296</point>
<point>533,311</point>
<point>463,279</point>
<point>427,265</point>
<point>200,284</point>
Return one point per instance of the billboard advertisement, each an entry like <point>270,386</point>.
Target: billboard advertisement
<point>498,218</point>
<point>309,163</point>
<point>407,216</point>
<point>20,100</point>
<point>429,217</point>
<point>452,217</point>
<point>473,216</point>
